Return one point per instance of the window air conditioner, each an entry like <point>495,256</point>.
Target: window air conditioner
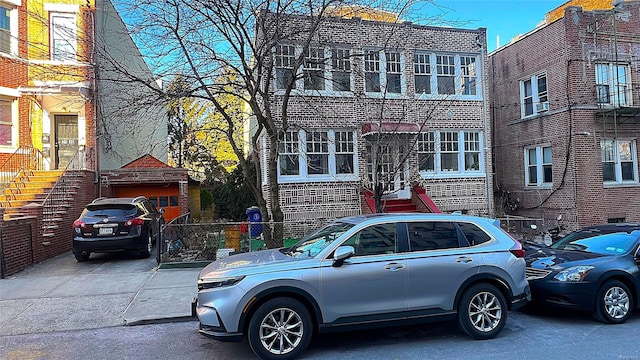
<point>543,106</point>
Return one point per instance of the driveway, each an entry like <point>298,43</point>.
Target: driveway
<point>109,289</point>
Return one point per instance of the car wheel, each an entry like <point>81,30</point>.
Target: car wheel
<point>82,257</point>
<point>482,312</point>
<point>280,329</point>
<point>147,252</point>
<point>614,302</point>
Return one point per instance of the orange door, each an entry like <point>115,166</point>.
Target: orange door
<point>163,197</point>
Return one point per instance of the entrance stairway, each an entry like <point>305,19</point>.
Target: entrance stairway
<point>399,205</point>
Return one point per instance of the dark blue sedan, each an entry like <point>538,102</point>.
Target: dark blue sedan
<point>599,274</point>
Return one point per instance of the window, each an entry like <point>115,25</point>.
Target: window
<point>394,71</point>
<point>471,151</point>
<point>314,69</point>
<point>284,60</point>
<point>289,154</point>
<point>374,240</point>
<point>372,71</point>
<point>344,152</point>
<point>426,151</point>
<point>317,153</point>
<point>533,95</point>
<point>474,234</point>
<point>446,74</point>
<point>538,161</point>
<point>63,37</point>
<point>422,70</point>
<point>619,162</point>
<point>325,156</point>
<point>613,84</point>
<point>469,75</point>
<point>449,151</point>
<point>452,153</point>
<point>5,29</point>
<point>432,236</point>
<point>6,123</point>
<point>341,66</point>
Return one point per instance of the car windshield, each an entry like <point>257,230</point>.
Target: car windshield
<point>312,244</point>
<point>610,244</point>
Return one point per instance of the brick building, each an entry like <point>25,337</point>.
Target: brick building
<point>565,113</point>
<point>409,98</point>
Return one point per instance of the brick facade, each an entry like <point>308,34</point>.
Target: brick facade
<point>567,51</point>
<point>321,201</point>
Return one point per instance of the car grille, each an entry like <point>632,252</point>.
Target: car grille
<point>533,273</point>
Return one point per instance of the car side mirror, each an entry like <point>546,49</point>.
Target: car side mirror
<point>161,211</point>
<point>341,254</point>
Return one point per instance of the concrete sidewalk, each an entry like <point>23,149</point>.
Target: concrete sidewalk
<point>109,290</point>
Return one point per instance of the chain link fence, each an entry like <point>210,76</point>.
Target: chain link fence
<point>182,241</point>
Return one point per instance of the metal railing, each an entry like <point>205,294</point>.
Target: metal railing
<point>60,197</point>
<point>23,159</point>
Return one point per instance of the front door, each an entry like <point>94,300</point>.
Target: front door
<point>389,159</point>
<point>65,140</point>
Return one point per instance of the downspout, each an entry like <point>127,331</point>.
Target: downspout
<point>96,108</point>
<point>485,116</point>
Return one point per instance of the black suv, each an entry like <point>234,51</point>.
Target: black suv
<point>116,224</point>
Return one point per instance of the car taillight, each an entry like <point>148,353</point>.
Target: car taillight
<point>517,249</point>
<point>79,224</point>
<point>134,222</point>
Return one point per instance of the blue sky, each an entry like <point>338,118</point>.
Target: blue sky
<point>503,18</point>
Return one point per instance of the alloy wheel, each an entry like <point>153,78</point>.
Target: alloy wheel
<point>616,302</point>
<point>281,331</point>
<point>485,311</point>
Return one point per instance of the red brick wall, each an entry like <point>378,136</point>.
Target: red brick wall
<point>567,51</point>
<point>23,248</point>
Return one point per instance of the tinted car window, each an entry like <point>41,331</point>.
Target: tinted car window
<point>112,211</point>
<point>374,240</point>
<point>432,235</point>
<point>474,234</point>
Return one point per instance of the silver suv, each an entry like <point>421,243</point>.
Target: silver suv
<point>363,271</point>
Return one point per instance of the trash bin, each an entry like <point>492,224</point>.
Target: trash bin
<point>255,221</point>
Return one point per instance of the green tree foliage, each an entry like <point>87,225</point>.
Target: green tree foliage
<point>232,197</point>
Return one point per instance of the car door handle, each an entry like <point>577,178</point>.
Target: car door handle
<point>394,266</point>
<point>464,259</point>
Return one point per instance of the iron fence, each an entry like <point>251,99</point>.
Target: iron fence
<point>185,241</point>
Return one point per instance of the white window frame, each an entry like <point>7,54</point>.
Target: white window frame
<point>622,150</point>
<point>459,74</point>
<point>283,60</point>
<point>13,111</point>
<point>332,175</point>
<point>341,64</point>
<point>539,96</point>
<point>11,7</point>
<point>538,167</point>
<point>426,146</point>
<point>613,84</point>
<point>382,66</point>
<point>315,62</point>
<point>71,42</point>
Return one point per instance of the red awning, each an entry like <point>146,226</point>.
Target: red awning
<point>391,128</point>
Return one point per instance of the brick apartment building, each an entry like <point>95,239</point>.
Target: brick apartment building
<point>412,97</point>
<point>565,106</point>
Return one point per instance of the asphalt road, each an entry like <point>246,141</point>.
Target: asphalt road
<point>544,335</point>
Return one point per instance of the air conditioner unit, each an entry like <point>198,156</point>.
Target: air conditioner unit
<point>543,106</point>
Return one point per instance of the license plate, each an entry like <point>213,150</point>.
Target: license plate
<point>105,231</point>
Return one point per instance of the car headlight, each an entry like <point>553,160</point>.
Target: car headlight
<point>573,274</point>
<point>212,283</point>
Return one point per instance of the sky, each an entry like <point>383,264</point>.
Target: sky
<point>502,18</point>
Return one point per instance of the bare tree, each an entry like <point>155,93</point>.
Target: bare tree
<point>204,41</point>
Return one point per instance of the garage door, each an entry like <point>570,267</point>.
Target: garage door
<point>163,197</point>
